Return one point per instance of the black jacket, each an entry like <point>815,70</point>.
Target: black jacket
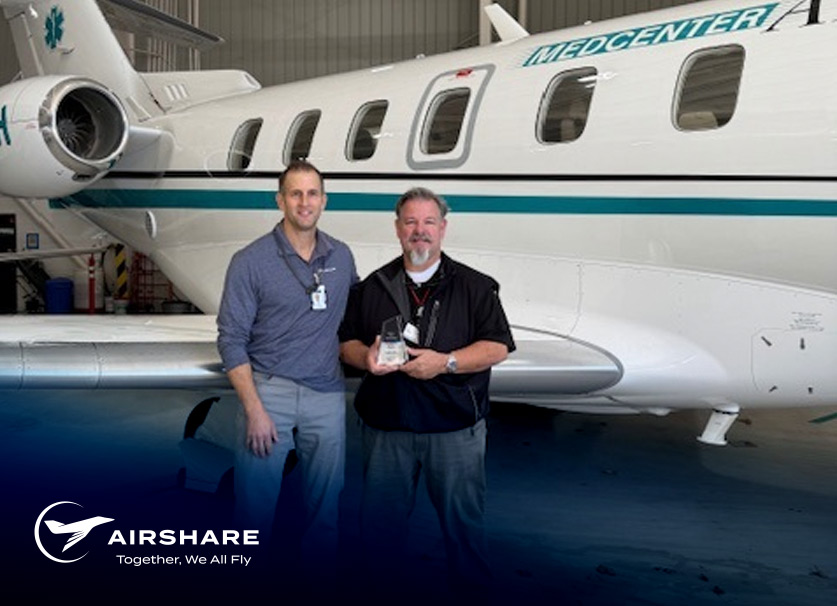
<point>462,307</point>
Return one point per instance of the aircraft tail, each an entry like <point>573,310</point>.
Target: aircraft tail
<point>81,104</point>
<point>74,39</point>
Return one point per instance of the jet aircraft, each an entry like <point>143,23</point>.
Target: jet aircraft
<point>656,194</point>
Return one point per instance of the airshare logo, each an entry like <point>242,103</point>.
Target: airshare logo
<point>64,535</point>
<point>54,27</point>
<point>77,531</point>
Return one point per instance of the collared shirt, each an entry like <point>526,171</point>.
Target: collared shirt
<point>266,317</point>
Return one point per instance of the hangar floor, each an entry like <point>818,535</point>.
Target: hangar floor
<point>581,509</point>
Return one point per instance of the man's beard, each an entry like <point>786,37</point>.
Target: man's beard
<point>419,257</point>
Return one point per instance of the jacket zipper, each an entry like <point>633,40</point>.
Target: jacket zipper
<point>431,325</point>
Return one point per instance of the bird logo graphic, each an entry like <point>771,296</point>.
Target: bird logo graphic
<point>77,530</point>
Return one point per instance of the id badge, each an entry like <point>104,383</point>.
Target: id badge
<point>411,333</point>
<point>319,300</point>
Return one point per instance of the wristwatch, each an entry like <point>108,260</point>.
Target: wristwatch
<point>450,366</point>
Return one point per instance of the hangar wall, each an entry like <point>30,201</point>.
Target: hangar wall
<point>297,39</point>
<point>8,61</point>
<point>289,40</point>
<point>545,15</point>
<point>284,40</point>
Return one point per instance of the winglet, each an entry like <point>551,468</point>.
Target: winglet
<point>504,24</point>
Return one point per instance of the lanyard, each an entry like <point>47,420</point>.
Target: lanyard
<point>423,300</point>
<point>420,301</point>
<point>311,287</point>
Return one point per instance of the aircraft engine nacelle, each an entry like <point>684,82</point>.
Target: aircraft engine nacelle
<point>58,135</point>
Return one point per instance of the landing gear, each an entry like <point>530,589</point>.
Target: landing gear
<point>208,447</point>
<point>722,418</point>
<point>208,444</point>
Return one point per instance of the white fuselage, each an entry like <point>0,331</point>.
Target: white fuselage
<point>681,253</point>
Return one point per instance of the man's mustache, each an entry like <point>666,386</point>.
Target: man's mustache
<point>421,238</point>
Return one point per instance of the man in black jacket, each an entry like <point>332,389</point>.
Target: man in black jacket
<point>427,413</point>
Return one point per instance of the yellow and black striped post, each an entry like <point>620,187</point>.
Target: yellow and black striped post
<point>121,273</point>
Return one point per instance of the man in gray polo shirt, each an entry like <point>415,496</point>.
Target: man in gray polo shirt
<point>283,300</point>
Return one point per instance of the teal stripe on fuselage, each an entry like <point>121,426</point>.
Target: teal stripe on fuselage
<point>339,201</point>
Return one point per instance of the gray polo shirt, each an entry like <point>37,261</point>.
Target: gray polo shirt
<point>266,317</point>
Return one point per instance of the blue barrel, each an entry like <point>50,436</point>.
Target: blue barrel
<point>59,296</point>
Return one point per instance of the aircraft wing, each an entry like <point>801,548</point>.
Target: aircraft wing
<point>178,351</point>
<point>547,366</point>
<point>109,352</point>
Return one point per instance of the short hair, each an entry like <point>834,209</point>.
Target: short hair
<point>424,194</point>
<point>302,166</point>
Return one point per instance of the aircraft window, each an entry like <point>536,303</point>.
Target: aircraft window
<point>244,140</point>
<point>366,128</point>
<point>301,136</point>
<point>445,118</point>
<point>708,88</point>
<point>566,105</point>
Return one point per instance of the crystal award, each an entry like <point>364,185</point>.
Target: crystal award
<point>392,350</point>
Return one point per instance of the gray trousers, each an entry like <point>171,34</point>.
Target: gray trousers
<point>320,441</point>
<point>454,471</point>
